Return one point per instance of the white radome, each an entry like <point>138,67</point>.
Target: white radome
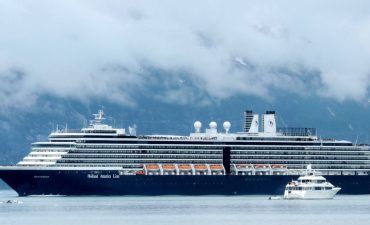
<point>227,126</point>
<point>197,126</point>
<point>213,125</point>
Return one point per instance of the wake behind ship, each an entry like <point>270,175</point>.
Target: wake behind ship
<point>102,160</point>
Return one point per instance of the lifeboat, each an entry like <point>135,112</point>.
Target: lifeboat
<point>168,167</point>
<point>260,166</point>
<point>140,172</point>
<point>240,166</point>
<point>244,166</point>
<point>278,166</point>
<point>152,167</point>
<point>184,167</point>
<point>200,167</point>
<point>216,167</point>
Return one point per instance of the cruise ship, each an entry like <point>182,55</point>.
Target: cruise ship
<point>102,160</point>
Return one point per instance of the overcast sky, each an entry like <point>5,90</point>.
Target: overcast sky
<point>115,49</point>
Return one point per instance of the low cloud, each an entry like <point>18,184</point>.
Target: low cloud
<point>192,50</point>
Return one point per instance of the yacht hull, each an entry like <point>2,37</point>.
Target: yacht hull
<point>311,194</point>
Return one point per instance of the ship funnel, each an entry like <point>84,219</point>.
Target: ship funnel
<point>269,122</point>
<point>250,122</point>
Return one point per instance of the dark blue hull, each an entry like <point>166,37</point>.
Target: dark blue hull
<point>77,182</point>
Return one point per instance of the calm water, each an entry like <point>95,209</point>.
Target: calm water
<point>207,210</point>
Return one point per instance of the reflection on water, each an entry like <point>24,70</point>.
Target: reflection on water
<point>208,210</point>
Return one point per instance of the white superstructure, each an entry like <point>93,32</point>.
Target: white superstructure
<point>266,151</point>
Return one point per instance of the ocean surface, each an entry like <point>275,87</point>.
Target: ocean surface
<point>160,210</point>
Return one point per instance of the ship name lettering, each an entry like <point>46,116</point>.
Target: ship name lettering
<point>92,176</point>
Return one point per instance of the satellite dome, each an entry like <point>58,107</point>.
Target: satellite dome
<point>197,126</point>
<point>213,125</point>
<point>227,126</point>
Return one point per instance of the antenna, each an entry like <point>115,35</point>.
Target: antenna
<point>98,118</point>
<point>282,120</point>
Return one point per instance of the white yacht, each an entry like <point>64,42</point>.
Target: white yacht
<point>310,186</point>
